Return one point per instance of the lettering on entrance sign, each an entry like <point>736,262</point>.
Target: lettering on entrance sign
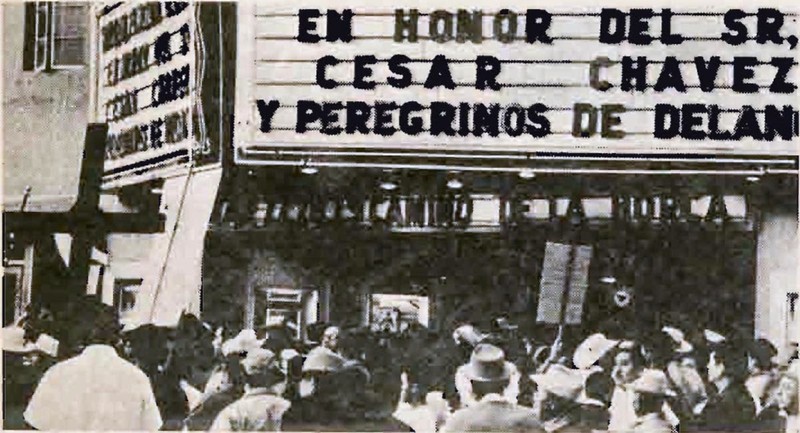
<point>412,212</point>
<point>493,75</point>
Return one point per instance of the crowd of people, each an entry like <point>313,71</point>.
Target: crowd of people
<point>201,377</point>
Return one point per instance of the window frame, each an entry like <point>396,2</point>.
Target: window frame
<point>45,63</point>
<point>120,286</point>
<point>49,63</point>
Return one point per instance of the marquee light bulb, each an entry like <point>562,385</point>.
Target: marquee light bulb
<point>388,186</point>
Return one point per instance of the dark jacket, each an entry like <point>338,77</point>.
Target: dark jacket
<point>730,409</point>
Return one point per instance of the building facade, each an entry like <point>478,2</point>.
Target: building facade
<point>298,220</point>
<point>46,56</point>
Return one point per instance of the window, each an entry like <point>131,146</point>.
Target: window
<point>12,285</point>
<point>125,291</point>
<point>17,286</point>
<point>55,35</point>
<point>396,313</point>
<point>296,308</point>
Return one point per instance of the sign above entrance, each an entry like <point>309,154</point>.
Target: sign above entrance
<point>494,76</point>
<point>486,212</point>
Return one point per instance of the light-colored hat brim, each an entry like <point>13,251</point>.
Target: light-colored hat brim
<point>552,386</point>
<point>17,348</point>
<point>471,374</point>
<point>713,336</point>
<point>664,392</point>
<point>585,400</point>
<point>584,358</point>
<point>14,341</point>
<point>684,347</point>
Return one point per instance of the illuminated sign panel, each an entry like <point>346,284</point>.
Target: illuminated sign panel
<point>146,88</point>
<point>498,76</point>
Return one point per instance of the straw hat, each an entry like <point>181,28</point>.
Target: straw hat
<point>243,342</point>
<point>322,360</point>
<point>504,324</point>
<point>258,361</point>
<point>468,334</point>
<point>677,336</point>
<point>566,383</point>
<point>488,364</point>
<point>14,340</point>
<point>714,337</point>
<point>653,382</point>
<point>592,349</point>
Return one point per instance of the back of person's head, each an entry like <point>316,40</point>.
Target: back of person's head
<point>315,330</point>
<point>261,368</point>
<point>416,393</point>
<point>762,353</point>
<point>734,359</point>
<point>598,386</point>
<point>481,389</point>
<point>649,403</point>
<point>102,325</point>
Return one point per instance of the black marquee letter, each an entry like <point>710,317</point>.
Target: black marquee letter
<point>266,110</point>
<point>537,23</point>
<point>439,75</point>
<point>486,72</point>
<point>607,16</point>
<point>732,21</point>
<point>322,63</point>
<point>307,26</point>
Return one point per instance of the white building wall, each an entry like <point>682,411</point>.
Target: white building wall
<point>170,262</point>
<point>44,119</point>
<point>776,276</point>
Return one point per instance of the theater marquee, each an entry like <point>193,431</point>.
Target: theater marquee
<point>145,88</point>
<point>439,81</point>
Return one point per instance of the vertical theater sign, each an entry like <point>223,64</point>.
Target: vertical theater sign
<point>145,81</point>
<point>151,85</point>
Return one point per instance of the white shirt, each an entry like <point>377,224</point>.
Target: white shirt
<point>257,410</point>
<point>96,390</point>
<point>424,418</point>
<point>792,423</point>
<point>622,414</point>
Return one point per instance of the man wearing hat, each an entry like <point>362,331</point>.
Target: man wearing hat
<point>489,374</point>
<point>97,389</point>
<point>464,385</point>
<point>729,404</point>
<point>320,388</point>
<point>681,370</point>
<point>261,408</point>
<point>628,364</point>
<point>652,390</point>
<point>763,373</point>
<point>562,403</point>
<point>788,397</point>
<point>24,362</point>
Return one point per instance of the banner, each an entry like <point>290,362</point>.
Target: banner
<point>564,281</point>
